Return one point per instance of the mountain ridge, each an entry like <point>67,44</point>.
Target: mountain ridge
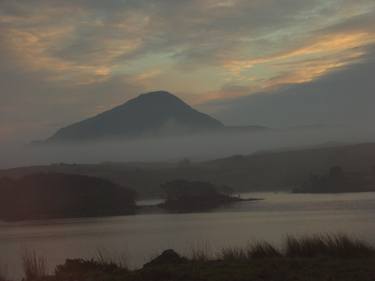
<point>156,113</point>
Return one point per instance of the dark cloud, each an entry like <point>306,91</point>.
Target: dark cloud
<point>344,97</point>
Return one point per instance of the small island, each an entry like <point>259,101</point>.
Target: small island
<point>55,195</point>
<point>191,196</point>
<point>337,181</point>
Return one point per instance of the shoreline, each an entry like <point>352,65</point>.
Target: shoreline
<point>138,210</point>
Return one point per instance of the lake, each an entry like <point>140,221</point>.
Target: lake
<point>140,237</point>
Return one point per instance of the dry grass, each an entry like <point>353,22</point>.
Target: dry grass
<point>106,258</point>
<point>233,254</point>
<point>257,250</point>
<point>306,250</point>
<point>335,246</point>
<point>201,252</point>
<point>263,250</point>
<point>34,266</point>
<point>338,245</point>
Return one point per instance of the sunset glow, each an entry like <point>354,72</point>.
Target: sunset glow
<point>200,50</point>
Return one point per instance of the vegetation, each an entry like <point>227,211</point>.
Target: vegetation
<point>185,196</point>
<point>266,171</point>
<point>34,266</point>
<point>311,258</point>
<point>93,269</point>
<point>253,251</point>
<point>337,181</point>
<point>339,246</point>
<point>54,195</point>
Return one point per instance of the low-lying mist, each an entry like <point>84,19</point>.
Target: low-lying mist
<point>196,147</point>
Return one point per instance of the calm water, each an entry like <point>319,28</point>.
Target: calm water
<point>140,237</point>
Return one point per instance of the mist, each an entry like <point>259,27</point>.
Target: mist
<point>195,147</point>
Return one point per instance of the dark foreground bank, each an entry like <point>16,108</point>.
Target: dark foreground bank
<point>319,257</point>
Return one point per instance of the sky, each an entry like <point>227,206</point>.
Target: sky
<point>276,63</point>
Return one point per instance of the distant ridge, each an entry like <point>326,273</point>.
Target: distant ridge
<point>156,113</point>
<point>266,171</point>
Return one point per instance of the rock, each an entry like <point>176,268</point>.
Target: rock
<point>167,257</point>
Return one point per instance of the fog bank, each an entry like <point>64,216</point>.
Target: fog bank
<point>196,148</point>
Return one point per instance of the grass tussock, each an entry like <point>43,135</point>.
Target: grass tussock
<point>339,246</point>
<point>34,266</point>
<point>233,254</point>
<point>106,259</point>
<point>257,250</point>
<point>335,246</point>
<point>201,253</point>
<point>263,250</point>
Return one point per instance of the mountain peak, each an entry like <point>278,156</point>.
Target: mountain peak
<point>160,93</point>
<point>158,98</point>
<point>156,113</point>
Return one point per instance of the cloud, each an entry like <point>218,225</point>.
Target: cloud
<point>345,97</point>
<point>328,44</point>
<point>62,61</point>
<point>98,38</point>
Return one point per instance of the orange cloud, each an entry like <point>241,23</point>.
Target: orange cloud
<point>330,44</point>
<point>33,48</point>
<point>147,75</point>
<point>290,68</point>
<point>301,72</point>
<point>31,52</point>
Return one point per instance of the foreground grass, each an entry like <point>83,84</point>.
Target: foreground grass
<point>34,266</point>
<point>318,257</point>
